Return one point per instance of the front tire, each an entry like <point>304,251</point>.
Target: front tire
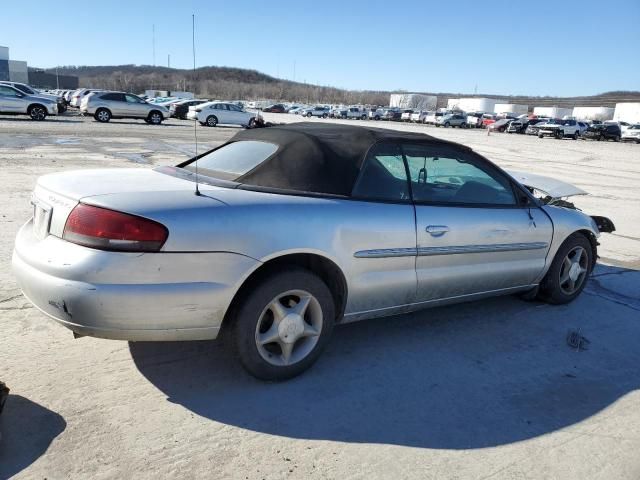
<point>155,118</point>
<point>37,112</point>
<point>569,271</point>
<point>282,325</point>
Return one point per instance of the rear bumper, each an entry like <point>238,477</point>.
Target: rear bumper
<point>128,296</point>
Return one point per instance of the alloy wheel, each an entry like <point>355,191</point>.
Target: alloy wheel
<point>573,270</point>
<point>289,328</point>
<point>38,113</point>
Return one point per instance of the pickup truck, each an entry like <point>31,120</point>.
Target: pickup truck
<point>560,129</point>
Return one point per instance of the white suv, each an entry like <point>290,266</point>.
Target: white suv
<point>560,129</point>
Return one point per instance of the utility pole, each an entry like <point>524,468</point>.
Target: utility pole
<point>57,79</point>
<point>168,60</point>
<point>153,41</point>
<point>294,70</point>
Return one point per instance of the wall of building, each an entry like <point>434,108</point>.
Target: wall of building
<point>18,71</point>
<point>4,63</point>
<point>40,79</point>
<point>627,112</point>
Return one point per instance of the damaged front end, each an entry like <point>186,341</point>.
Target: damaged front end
<point>555,192</point>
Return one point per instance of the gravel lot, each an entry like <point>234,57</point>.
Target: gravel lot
<point>482,390</point>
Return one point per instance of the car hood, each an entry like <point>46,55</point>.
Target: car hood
<point>549,186</point>
<point>547,125</point>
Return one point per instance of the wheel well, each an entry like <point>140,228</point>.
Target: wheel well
<point>593,241</point>
<point>35,105</point>
<point>155,111</point>
<point>327,270</point>
<point>103,108</point>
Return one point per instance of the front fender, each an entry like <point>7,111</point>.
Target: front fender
<point>565,223</point>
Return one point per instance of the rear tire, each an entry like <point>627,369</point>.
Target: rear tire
<point>102,115</point>
<point>212,121</point>
<point>576,135</point>
<point>266,320</point>
<point>564,281</point>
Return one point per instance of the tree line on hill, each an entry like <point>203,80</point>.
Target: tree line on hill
<point>237,83</point>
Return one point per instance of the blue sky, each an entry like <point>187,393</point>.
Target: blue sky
<point>533,47</point>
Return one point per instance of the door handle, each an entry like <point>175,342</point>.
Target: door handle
<point>437,230</point>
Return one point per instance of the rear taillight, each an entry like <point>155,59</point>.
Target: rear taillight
<point>110,230</point>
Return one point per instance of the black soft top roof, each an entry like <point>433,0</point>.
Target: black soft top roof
<point>320,157</point>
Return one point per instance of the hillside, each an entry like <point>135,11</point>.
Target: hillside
<point>238,83</point>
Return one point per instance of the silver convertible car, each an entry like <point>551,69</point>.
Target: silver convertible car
<point>282,232</point>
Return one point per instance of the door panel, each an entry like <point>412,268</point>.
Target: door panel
<point>380,236</point>
<point>484,249</point>
<point>472,235</point>
<point>10,102</point>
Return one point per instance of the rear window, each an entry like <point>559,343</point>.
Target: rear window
<point>234,160</point>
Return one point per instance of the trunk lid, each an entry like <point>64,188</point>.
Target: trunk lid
<point>129,190</point>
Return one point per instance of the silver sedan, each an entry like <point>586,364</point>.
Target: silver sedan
<point>283,232</point>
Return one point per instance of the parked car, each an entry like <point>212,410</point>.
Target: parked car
<point>78,95</point>
<point>500,125</point>
<point>338,112</point>
<point>24,88</point>
<point>392,114</point>
<point>276,108</point>
<point>452,120</point>
<point>534,125</point>
<point>519,125</point>
<point>602,132</point>
<point>296,110</point>
<point>181,109</point>
<point>488,119</point>
<point>559,129</point>
<point>15,102</point>
<point>317,111</point>
<point>432,117</point>
<point>419,116</point>
<point>406,115</point>
<point>377,113</point>
<point>474,119</point>
<point>632,133</point>
<point>104,106</point>
<point>212,114</point>
<point>356,112</point>
<point>134,254</point>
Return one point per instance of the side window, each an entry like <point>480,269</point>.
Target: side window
<point>454,177</point>
<point>8,92</point>
<point>234,108</point>
<point>131,98</point>
<point>383,175</point>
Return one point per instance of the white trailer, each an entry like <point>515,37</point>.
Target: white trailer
<point>553,112</point>
<point>452,103</point>
<point>477,104</point>
<point>413,100</point>
<point>627,112</point>
<point>512,108</point>
<point>593,113</point>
